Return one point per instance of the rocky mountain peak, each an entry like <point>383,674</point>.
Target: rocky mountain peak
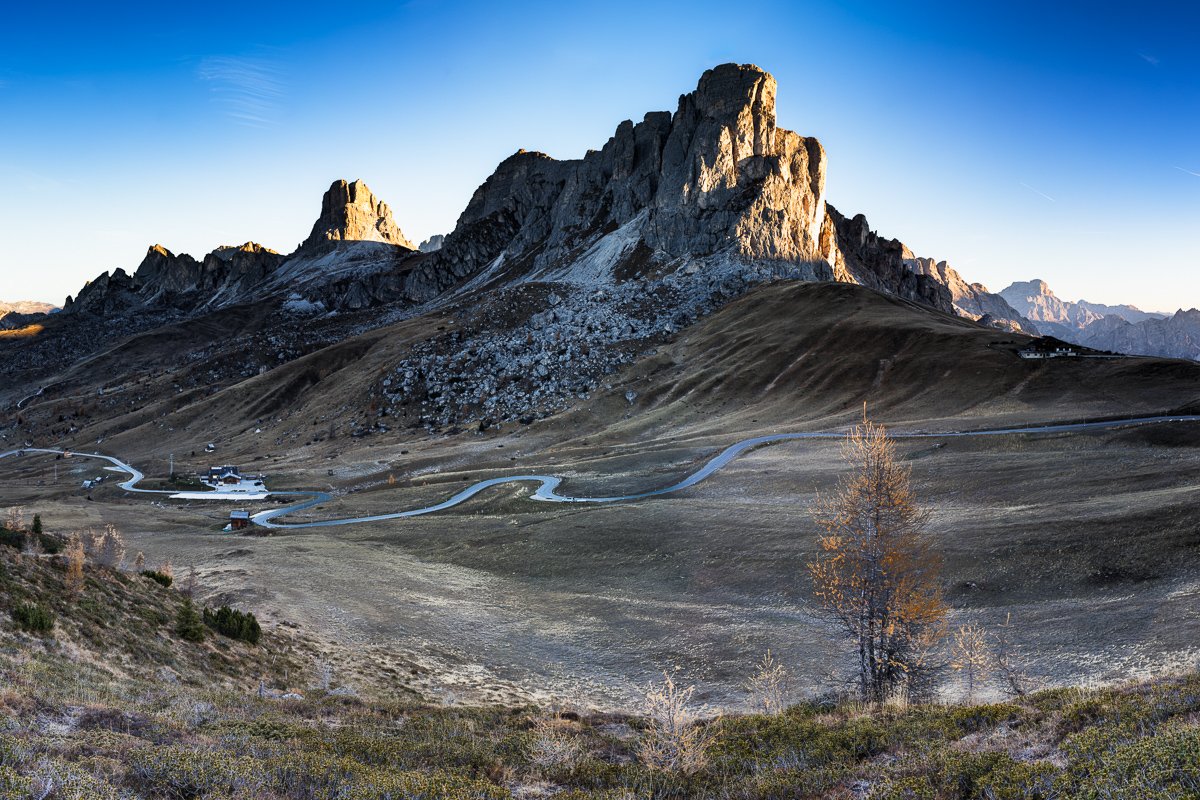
<point>229,251</point>
<point>351,212</point>
<point>716,181</point>
<point>1032,288</point>
<point>742,96</point>
<point>1035,300</point>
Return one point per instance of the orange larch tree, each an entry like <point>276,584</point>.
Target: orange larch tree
<point>877,575</point>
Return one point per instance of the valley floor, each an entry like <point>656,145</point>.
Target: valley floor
<point>1085,540</point>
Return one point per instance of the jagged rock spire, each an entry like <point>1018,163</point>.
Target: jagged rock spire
<point>350,212</point>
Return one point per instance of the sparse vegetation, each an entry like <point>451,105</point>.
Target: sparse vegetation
<point>33,618</point>
<point>971,657</point>
<point>76,559</point>
<point>216,719</point>
<point>675,739</point>
<point>155,740</point>
<point>769,686</point>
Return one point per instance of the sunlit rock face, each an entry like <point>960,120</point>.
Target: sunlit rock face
<point>717,177</point>
<point>350,212</point>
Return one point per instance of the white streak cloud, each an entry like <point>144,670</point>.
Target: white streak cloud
<point>249,90</point>
<point>1035,191</point>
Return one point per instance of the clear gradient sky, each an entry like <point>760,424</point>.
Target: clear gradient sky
<point>1025,139</point>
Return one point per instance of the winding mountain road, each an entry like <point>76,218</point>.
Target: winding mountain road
<point>548,485</point>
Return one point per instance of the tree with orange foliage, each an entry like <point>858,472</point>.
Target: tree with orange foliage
<point>877,575</point>
<point>76,558</point>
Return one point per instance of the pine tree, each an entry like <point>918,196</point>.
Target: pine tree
<point>188,624</point>
<point>37,525</point>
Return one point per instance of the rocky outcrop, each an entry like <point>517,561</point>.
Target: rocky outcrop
<point>716,192</point>
<point>232,271</point>
<point>432,244</point>
<point>167,280</point>
<point>883,264</point>
<point>110,293</point>
<point>350,261</point>
<point>350,212</point>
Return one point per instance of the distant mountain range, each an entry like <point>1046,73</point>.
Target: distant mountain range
<point>19,313</point>
<point>25,307</point>
<point>1119,329</point>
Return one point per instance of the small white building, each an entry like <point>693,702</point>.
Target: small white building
<point>229,479</point>
<point>1056,352</point>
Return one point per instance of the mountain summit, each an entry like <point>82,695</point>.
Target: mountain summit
<point>715,178</point>
<point>351,212</point>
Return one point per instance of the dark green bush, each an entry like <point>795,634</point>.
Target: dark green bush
<point>235,624</point>
<point>160,578</point>
<point>188,625</point>
<point>33,618</point>
<point>16,540</point>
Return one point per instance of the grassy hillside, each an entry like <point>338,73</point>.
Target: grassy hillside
<point>113,703</point>
<point>785,353</point>
<point>811,354</point>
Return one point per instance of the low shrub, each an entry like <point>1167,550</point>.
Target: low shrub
<point>16,540</point>
<point>241,625</point>
<point>33,618</point>
<point>161,578</point>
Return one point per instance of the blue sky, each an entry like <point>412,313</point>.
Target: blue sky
<point>1015,140</point>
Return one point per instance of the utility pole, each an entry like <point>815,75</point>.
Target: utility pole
<point>171,474</point>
